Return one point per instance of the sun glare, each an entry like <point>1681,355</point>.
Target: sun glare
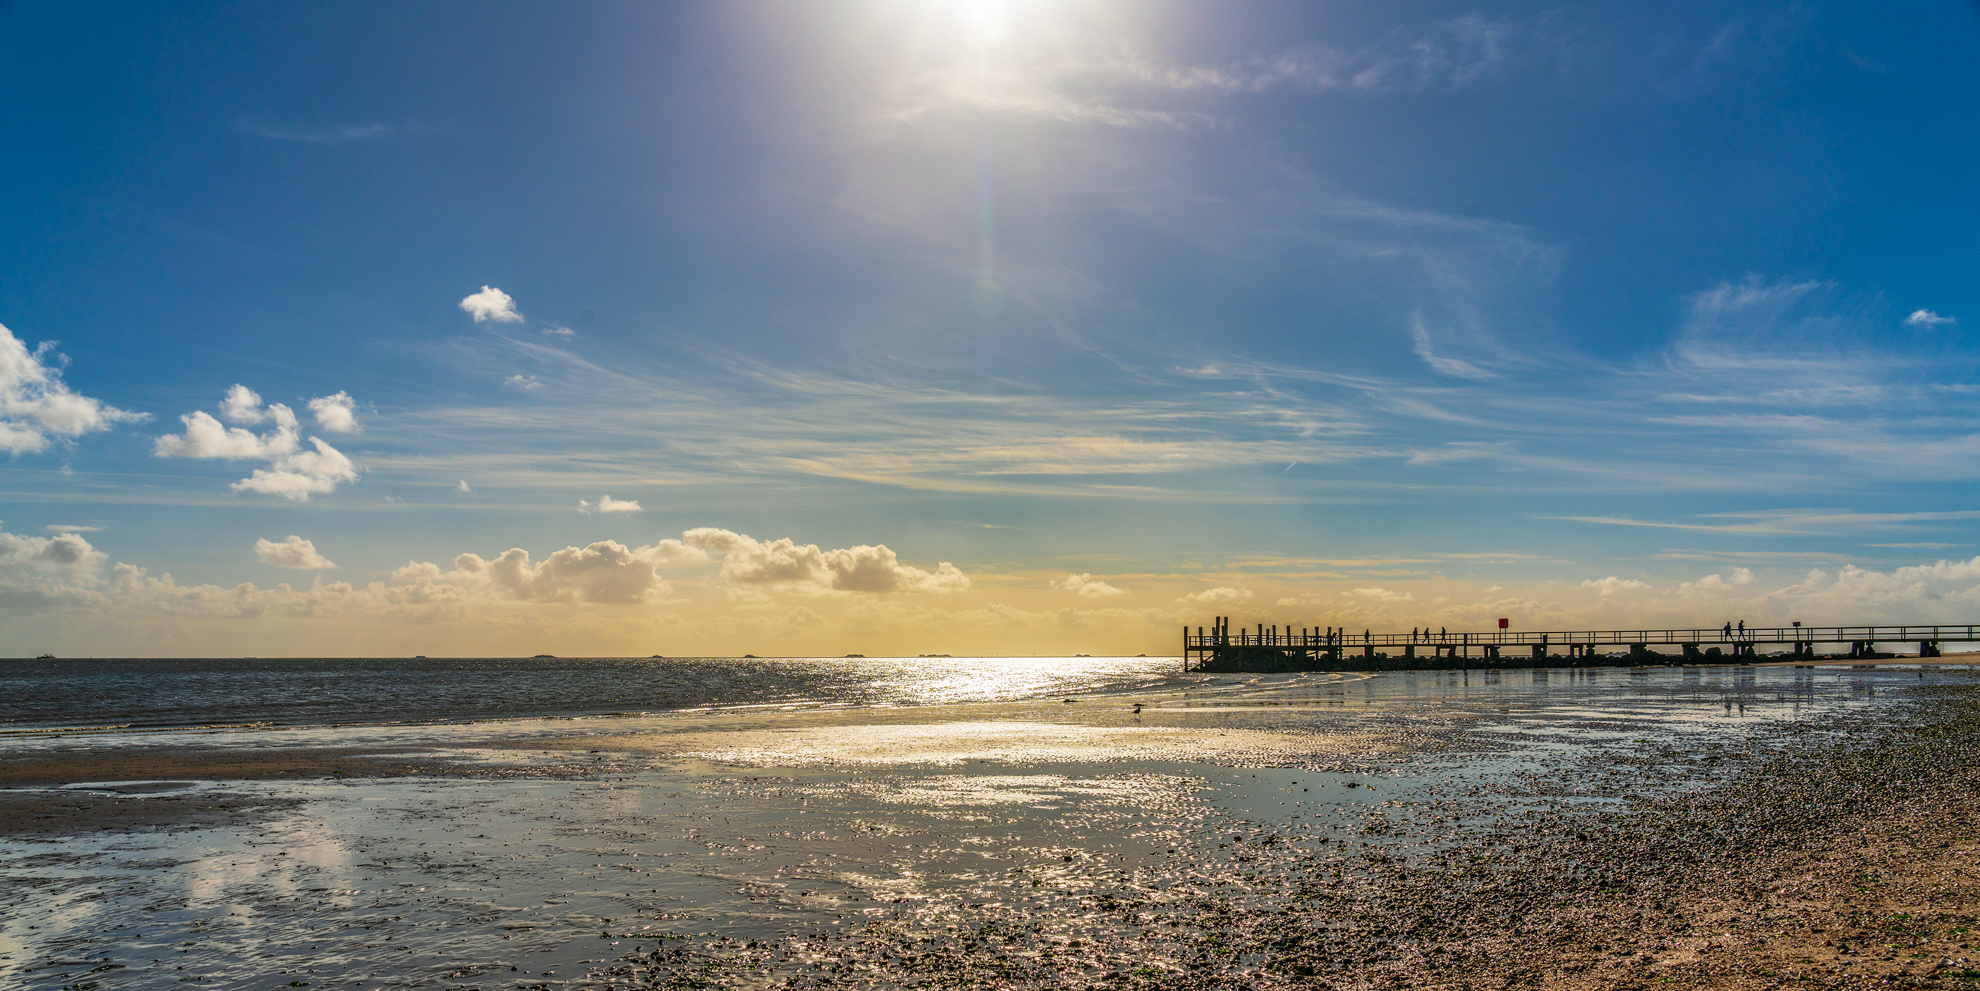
<point>986,18</point>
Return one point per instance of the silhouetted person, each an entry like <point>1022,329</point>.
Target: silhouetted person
<point>1729,629</point>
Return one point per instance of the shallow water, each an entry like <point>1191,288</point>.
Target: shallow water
<point>193,692</point>
<point>551,846</point>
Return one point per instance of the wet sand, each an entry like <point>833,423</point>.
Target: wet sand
<point>1573,832</point>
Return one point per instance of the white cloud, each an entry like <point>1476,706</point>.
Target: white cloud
<point>69,528</point>
<point>242,405</point>
<point>559,331</point>
<point>1087,586</point>
<point>865,568</point>
<point>49,571</point>
<point>1612,585</point>
<point>1926,318</point>
<point>1222,595</point>
<point>1388,594</point>
<point>1421,343</point>
<point>524,382</point>
<point>292,473</point>
<point>1742,576</point>
<point>1043,62</point>
<point>462,486</point>
<point>335,134</point>
<point>603,572</point>
<point>36,406</point>
<point>336,413</point>
<point>294,552</point>
<point>492,304</point>
<point>607,504</point>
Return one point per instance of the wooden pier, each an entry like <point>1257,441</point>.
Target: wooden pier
<point>1268,648</point>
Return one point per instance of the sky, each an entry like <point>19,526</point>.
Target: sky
<point>978,326</point>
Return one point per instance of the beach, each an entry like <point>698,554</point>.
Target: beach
<point>1713,826</point>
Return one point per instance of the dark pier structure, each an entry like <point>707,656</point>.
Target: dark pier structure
<point>1268,648</point>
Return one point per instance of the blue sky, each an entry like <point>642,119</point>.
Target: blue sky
<point>1028,326</point>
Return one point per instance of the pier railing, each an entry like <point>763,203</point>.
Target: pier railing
<point>1226,645</point>
<point>1272,636</point>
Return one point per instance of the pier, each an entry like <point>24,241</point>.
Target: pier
<point>1268,648</point>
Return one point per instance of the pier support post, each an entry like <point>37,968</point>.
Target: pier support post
<point>1539,651</point>
<point>1691,654</point>
<point>1928,648</point>
<point>1410,652</point>
<point>1639,653</point>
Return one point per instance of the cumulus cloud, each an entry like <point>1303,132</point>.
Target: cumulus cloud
<point>242,405</point>
<point>1612,585</point>
<point>294,552</point>
<point>1087,586</point>
<point>865,568</point>
<point>336,413</point>
<point>1223,595</point>
<point>37,407</point>
<point>49,571</point>
<point>523,382</point>
<point>607,504</point>
<point>1388,594</point>
<point>492,304</point>
<point>293,472</point>
<point>603,572</point>
<point>1926,318</point>
<point>559,331</point>
<point>64,570</point>
<point>462,486</point>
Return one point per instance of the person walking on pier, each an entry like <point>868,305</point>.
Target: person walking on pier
<point>1728,632</point>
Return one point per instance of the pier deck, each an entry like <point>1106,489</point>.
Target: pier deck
<point>1270,648</point>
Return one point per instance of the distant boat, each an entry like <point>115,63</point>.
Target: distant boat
<point>855,655</point>
<point>546,656</point>
<point>46,657</point>
<point>749,657</point>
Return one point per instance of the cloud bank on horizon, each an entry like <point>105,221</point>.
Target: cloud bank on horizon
<point>1052,327</point>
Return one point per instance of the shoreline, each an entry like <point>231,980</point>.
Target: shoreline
<point>1077,844</point>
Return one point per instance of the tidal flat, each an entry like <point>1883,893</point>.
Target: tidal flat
<point>1766,826</point>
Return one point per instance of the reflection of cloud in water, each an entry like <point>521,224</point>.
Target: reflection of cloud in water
<point>1017,742</point>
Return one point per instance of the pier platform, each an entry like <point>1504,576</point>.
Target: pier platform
<point>1269,648</point>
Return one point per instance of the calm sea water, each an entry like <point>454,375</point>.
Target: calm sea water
<point>319,691</point>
